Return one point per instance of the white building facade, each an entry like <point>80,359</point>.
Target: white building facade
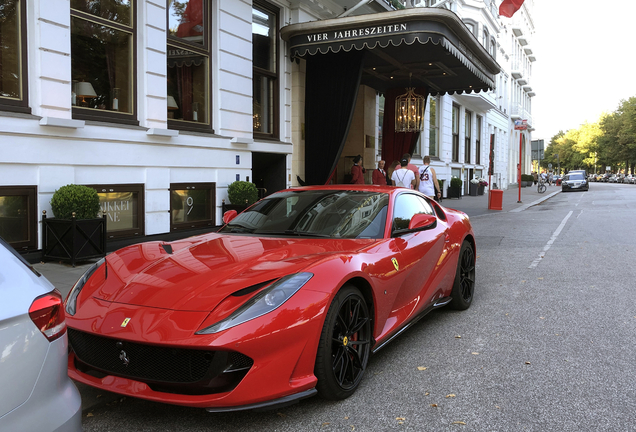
<point>160,105</point>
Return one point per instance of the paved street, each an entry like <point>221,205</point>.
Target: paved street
<point>548,344</point>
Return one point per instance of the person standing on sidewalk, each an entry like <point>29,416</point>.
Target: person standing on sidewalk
<point>413,168</point>
<point>428,180</point>
<point>357,171</point>
<point>379,175</point>
<point>403,177</point>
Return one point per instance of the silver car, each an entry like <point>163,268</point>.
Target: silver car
<point>36,393</point>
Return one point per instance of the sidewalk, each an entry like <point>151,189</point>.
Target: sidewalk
<point>478,205</point>
<point>63,275</point>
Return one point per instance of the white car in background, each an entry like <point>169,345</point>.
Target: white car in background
<point>36,393</point>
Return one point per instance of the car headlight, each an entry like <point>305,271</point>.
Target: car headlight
<point>262,303</point>
<point>71,300</point>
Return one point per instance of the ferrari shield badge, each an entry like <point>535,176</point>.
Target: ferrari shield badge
<point>125,323</point>
<point>395,264</point>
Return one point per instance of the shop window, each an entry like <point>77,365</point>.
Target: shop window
<point>123,206</point>
<point>265,69</point>
<point>102,59</point>
<point>18,216</point>
<point>13,68</point>
<point>192,205</point>
<point>189,40</point>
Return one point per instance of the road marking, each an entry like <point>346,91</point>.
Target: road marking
<point>556,233</point>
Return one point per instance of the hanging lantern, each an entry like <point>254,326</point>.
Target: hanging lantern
<point>409,112</point>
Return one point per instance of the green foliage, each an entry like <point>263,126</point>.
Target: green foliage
<point>609,142</point>
<point>82,200</point>
<point>527,177</point>
<point>456,182</point>
<point>241,191</point>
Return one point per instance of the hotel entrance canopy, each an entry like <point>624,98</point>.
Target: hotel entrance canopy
<point>430,44</point>
<point>427,48</point>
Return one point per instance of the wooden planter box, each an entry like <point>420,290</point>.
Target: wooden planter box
<point>73,239</point>
<point>454,192</point>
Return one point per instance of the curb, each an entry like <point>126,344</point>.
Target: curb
<point>534,203</point>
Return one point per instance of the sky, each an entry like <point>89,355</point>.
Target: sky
<point>586,61</point>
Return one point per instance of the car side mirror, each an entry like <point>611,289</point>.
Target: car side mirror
<point>422,221</point>
<point>229,215</point>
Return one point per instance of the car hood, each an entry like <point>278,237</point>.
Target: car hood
<point>201,272</point>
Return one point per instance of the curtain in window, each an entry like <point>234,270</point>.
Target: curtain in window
<point>333,81</point>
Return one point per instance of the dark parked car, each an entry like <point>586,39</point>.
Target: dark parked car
<point>574,181</point>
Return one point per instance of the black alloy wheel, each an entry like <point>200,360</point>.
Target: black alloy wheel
<point>345,345</point>
<point>464,285</point>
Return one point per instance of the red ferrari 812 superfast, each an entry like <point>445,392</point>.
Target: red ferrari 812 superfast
<point>290,298</point>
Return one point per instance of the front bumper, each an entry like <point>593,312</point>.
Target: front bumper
<point>281,344</point>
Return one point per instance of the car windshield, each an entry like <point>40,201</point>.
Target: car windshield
<point>315,213</point>
<point>575,176</point>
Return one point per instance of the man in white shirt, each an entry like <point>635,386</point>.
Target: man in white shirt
<point>428,180</point>
<point>403,177</point>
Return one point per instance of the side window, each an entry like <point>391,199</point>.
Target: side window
<point>406,206</point>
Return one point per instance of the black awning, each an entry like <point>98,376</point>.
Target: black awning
<point>428,47</point>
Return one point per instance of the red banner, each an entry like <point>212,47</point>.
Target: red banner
<point>509,7</point>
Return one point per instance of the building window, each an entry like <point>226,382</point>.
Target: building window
<point>102,59</point>
<point>189,41</point>
<point>468,129</point>
<point>455,120</point>
<point>478,141</point>
<point>485,39</point>
<point>493,48</point>
<point>433,127</point>
<point>18,216</point>
<point>192,205</point>
<point>124,208</point>
<point>472,26</point>
<point>13,68</point>
<point>265,70</point>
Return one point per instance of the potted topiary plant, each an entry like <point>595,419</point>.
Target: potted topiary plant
<point>241,194</point>
<point>76,232</point>
<point>482,184</point>
<point>473,186</point>
<point>455,188</point>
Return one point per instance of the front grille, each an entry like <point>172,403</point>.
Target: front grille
<point>156,364</point>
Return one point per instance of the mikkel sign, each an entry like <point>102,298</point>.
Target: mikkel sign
<point>353,33</point>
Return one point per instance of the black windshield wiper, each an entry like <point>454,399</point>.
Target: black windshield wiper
<point>293,233</point>
<point>237,229</point>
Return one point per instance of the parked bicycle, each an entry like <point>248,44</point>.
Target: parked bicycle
<point>541,187</point>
